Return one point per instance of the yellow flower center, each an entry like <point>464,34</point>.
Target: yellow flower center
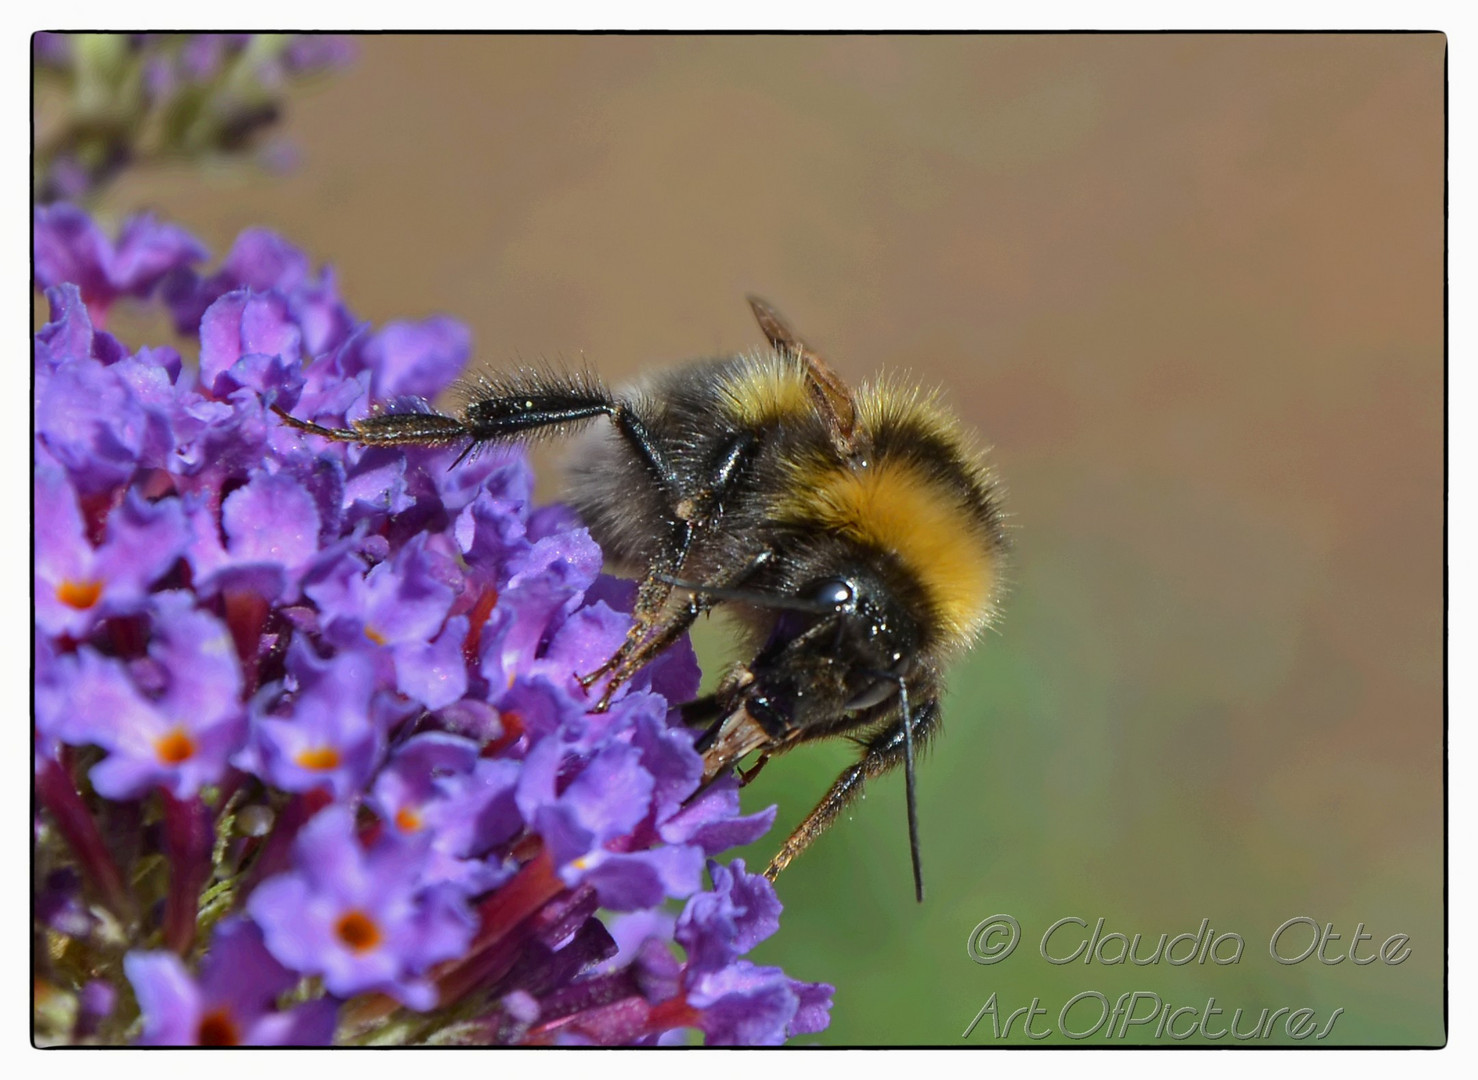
<point>318,758</point>
<point>358,931</point>
<point>174,747</point>
<point>79,594</point>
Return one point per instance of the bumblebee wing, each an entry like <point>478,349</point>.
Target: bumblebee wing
<point>830,394</point>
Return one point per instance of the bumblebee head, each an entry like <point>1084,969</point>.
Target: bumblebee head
<point>836,651</point>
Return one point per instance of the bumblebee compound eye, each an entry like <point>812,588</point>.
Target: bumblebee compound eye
<point>835,592</point>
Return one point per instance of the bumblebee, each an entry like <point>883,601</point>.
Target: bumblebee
<point>857,536</point>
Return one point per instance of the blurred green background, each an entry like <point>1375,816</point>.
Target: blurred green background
<point>1189,287</point>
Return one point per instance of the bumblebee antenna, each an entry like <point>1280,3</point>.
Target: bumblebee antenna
<point>747,596</point>
<point>909,797</point>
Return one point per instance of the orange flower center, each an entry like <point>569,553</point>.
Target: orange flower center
<point>358,931</point>
<point>407,820</point>
<point>318,758</point>
<point>79,594</point>
<point>174,747</point>
<point>217,1029</point>
<point>374,635</point>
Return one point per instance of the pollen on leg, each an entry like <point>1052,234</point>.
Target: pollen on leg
<point>174,747</point>
<point>358,931</point>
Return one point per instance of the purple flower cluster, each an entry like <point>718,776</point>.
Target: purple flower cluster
<point>123,98</point>
<point>307,715</point>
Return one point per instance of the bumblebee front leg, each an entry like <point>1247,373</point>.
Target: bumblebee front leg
<point>652,634</point>
<point>693,513</point>
<point>895,745</point>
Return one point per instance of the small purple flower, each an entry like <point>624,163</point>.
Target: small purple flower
<point>324,734</point>
<point>262,263</point>
<point>271,531</point>
<point>718,926</point>
<point>232,1002</point>
<point>69,333</point>
<point>243,325</point>
<point>401,604</point>
<point>70,248</point>
<point>76,583</point>
<point>178,735</point>
<point>438,787</point>
<point>91,420</point>
<point>744,1004</point>
<point>360,918</point>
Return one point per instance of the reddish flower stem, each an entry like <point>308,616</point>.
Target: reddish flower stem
<point>619,1022</point>
<point>58,794</point>
<point>187,843</point>
<point>476,619</point>
<point>277,847</point>
<point>246,616</point>
<point>530,889</point>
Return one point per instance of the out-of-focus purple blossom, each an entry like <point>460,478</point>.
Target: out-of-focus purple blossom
<point>51,49</point>
<point>77,583</point>
<point>416,359</point>
<point>322,733</point>
<point>232,1003</point>
<point>127,99</point>
<point>171,719</point>
<point>311,53</point>
<point>70,248</point>
<point>333,691</point>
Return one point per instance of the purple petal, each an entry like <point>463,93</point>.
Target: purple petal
<point>168,998</point>
<point>712,820</point>
<point>435,672</point>
<point>309,1024</point>
<point>271,520</point>
<point>745,1005</point>
<point>243,323</point>
<point>419,359</point>
<point>239,971</point>
<point>642,879</point>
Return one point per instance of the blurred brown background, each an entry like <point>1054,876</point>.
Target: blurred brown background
<point>1189,287</point>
